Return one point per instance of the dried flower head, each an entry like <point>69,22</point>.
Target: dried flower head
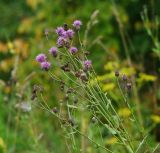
<point>77,24</point>
<point>45,65</point>
<point>129,85</point>
<point>41,58</point>
<point>94,119</point>
<point>55,110</point>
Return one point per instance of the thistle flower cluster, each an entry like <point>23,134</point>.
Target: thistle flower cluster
<point>127,83</point>
<point>42,59</point>
<point>64,40</point>
<point>77,68</point>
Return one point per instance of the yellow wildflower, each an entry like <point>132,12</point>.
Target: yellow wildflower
<point>2,145</point>
<point>155,118</point>
<point>124,112</point>
<point>108,86</point>
<point>111,141</point>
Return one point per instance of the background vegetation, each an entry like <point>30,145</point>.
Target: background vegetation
<point>124,36</point>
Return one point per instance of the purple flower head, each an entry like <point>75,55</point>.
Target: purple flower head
<point>77,24</point>
<point>70,33</point>
<point>53,51</point>
<point>73,50</point>
<point>45,65</point>
<point>41,58</point>
<point>124,77</point>
<point>61,41</point>
<point>60,31</point>
<point>87,64</point>
<point>64,34</point>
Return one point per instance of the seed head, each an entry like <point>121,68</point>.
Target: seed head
<point>71,121</point>
<point>86,53</point>
<point>75,101</point>
<point>83,77</point>
<point>55,110</point>
<point>129,85</point>
<point>94,119</point>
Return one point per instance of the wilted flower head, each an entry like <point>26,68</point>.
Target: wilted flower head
<point>53,51</point>
<point>60,31</point>
<point>73,50</point>
<point>129,85</point>
<point>45,65</point>
<point>70,33</point>
<point>87,64</point>
<point>41,58</point>
<point>77,24</point>
<point>61,41</point>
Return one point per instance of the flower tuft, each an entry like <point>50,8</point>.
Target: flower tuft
<point>53,51</point>
<point>41,58</point>
<point>59,31</point>
<point>87,64</point>
<point>70,33</point>
<point>61,41</point>
<point>73,50</point>
<point>45,65</point>
<point>77,24</point>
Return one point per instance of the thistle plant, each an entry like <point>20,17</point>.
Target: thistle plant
<point>82,92</point>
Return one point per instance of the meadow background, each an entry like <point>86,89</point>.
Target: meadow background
<point>124,35</point>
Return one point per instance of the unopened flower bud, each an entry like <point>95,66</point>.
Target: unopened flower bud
<point>94,119</point>
<point>65,26</point>
<point>117,73</point>
<point>75,101</point>
<point>129,85</point>
<point>71,121</point>
<point>55,110</point>
<point>124,77</point>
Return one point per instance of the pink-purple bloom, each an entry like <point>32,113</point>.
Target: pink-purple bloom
<point>41,58</point>
<point>59,31</point>
<point>45,65</point>
<point>61,41</point>
<point>87,64</point>
<point>53,51</point>
<point>77,24</point>
<point>73,50</point>
<point>64,34</point>
<point>70,33</point>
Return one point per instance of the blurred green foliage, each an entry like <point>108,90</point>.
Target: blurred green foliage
<point>22,29</point>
